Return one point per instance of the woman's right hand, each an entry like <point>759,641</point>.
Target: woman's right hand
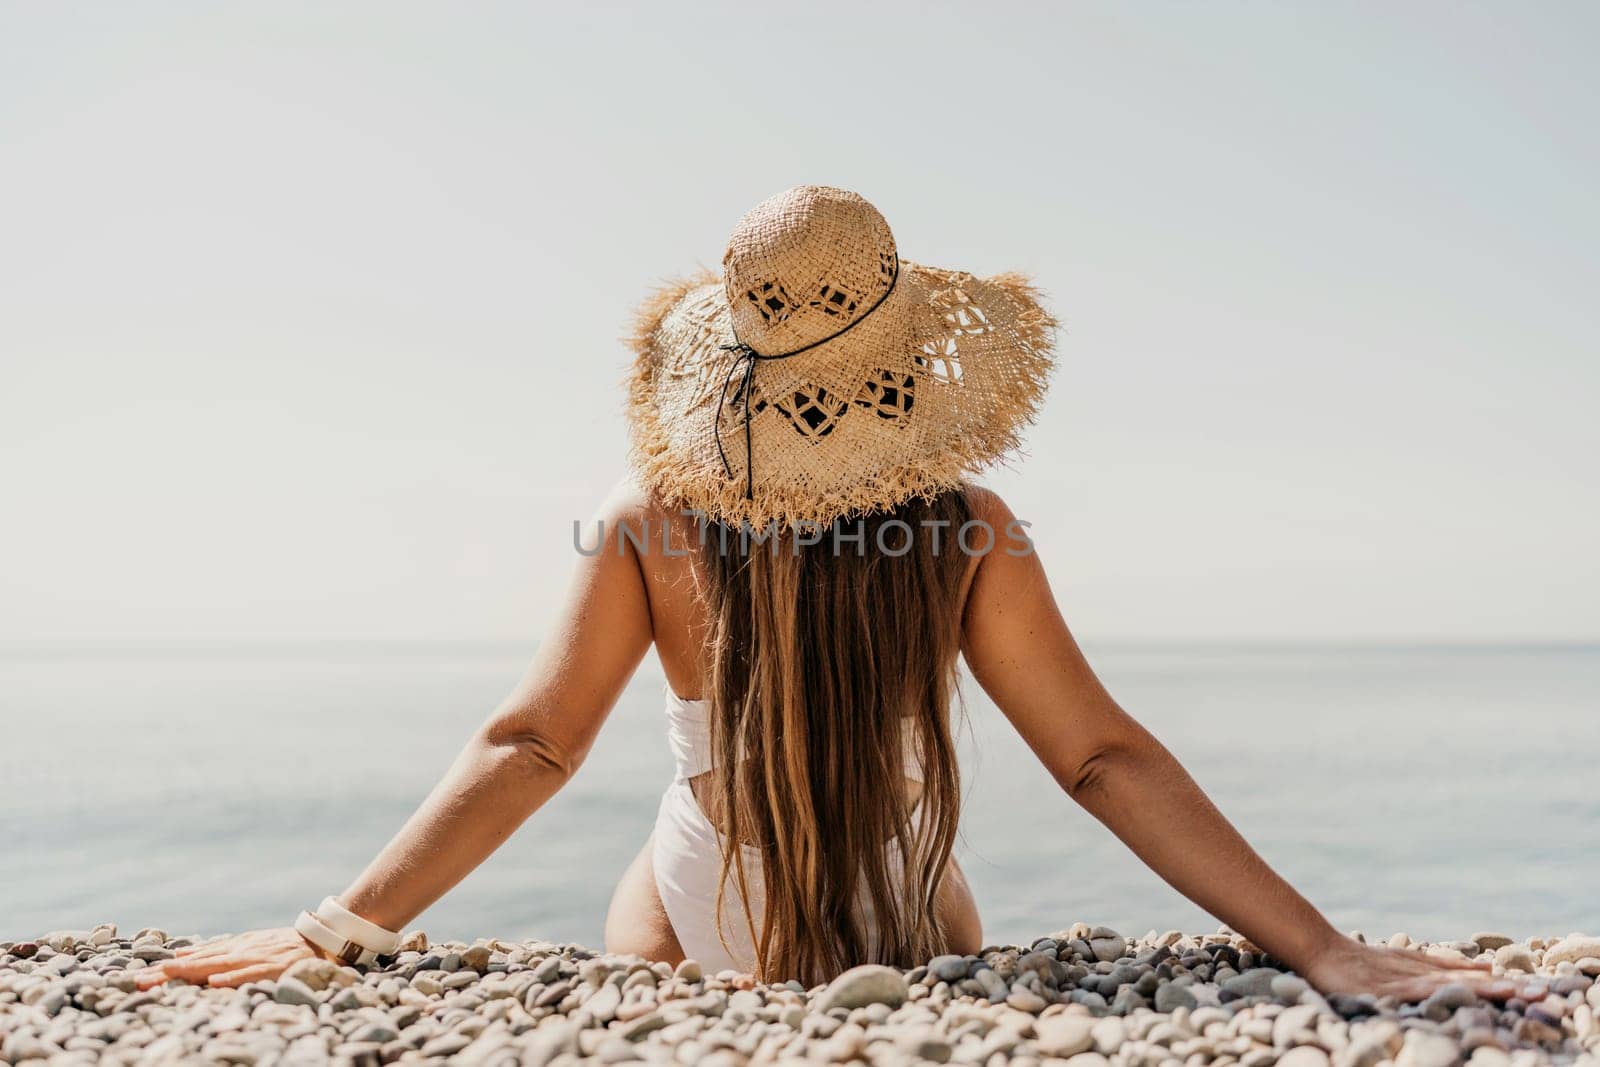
<point>232,960</point>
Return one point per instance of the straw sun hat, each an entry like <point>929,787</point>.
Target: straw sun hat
<point>822,376</point>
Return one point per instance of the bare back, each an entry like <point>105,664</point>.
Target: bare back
<point>671,569</point>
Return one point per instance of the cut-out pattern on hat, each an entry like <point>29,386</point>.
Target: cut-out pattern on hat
<point>772,301</point>
<point>890,395</point>
<point>813,412</point>
<point>888,265</point>
<point>960,314</point>
<point>940,360</point>
<point>836,300</point>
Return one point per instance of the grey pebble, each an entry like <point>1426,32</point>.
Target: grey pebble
<point>1107,949</point>
<point>868,984</point>
<point>460,979</point>
<point>993,986</point>
<point>294,991</point>
<point>1256,982</point>
<point>345,1000</point>
<point>1127,1001</point>
<point>380,1033</point>
<point>1288,987</point>
<point>1170,997</point>
<point>554,994</point>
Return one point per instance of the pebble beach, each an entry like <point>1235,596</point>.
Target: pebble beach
<point>1084,997</point>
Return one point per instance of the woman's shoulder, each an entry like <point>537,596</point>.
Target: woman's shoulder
<point>987,505</point>
<point>629,501</point>
<point>637,520</point>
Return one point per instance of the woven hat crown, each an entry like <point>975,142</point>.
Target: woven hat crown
<point>802,265</point>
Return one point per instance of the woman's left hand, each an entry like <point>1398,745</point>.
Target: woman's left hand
<point>1353,968</point>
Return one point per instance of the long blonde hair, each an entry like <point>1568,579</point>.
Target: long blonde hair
<point>821,659</point>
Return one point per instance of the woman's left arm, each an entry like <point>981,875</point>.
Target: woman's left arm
<point>1019,649</point>
<point>528,748</point>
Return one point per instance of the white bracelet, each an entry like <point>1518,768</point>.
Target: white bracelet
<point>352,927</point>
<point>313,930</point>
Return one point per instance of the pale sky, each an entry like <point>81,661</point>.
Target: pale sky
<point>309,314</point>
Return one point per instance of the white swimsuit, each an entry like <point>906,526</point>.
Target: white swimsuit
<point>688,858</point>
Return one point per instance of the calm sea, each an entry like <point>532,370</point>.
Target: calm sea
<point>1439,791</point>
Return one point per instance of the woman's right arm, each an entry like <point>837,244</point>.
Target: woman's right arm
<point>513,764</point>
